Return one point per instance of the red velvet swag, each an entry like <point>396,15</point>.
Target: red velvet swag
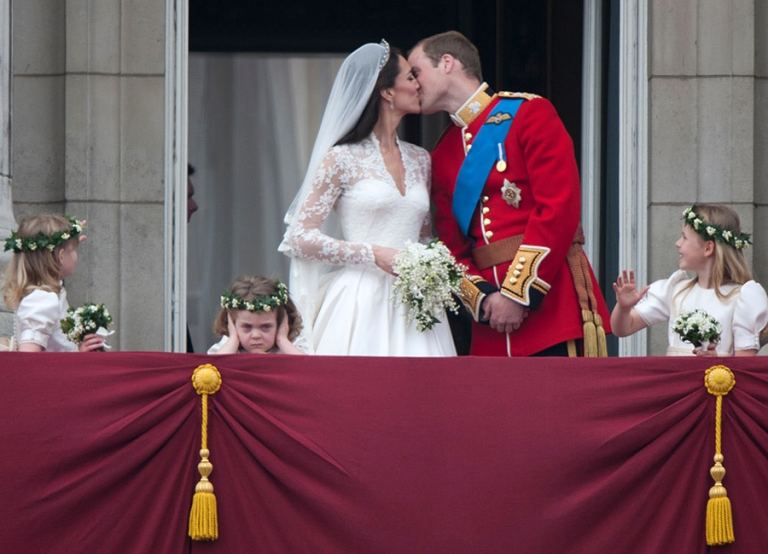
<point>364,455</point>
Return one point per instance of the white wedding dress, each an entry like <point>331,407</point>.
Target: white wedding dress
<point>355,313</point>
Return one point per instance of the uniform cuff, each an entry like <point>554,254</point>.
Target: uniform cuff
<point>474,289</point>
<point>522,282</point>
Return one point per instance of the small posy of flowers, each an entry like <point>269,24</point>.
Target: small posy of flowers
<point>265,303</point>
<point>697,327</point>
<point>18,244</point>
<point>427,278</point>
<point>86,320</point>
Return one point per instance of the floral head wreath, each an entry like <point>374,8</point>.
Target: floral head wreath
<point>710,231</point>
<point>266,303</point>
<point>42,241</point>
<point>385,56</point>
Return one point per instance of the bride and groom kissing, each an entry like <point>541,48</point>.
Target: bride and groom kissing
<point>504,186</point>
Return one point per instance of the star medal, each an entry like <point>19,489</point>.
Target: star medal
<point>511,193</point>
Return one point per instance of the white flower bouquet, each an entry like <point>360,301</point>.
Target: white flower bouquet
<point>427,277</point>
<point>85,320</point>
<point>697,327</point>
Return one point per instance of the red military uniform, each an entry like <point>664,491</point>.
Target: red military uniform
<point>535,196</point>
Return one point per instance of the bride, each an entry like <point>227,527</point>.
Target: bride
<point>364,195</point>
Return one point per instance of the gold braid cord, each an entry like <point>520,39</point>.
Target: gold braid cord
<point>719,380</point>
<point>203,519</point>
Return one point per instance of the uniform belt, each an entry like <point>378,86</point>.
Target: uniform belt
<point>498,252</point>
<point>504,250</point>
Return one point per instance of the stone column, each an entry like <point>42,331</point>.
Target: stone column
<point>36,111</point>
<point>761,142</point>
<point>6,203</point>
<point>703,106</point>
<point>114,159</point>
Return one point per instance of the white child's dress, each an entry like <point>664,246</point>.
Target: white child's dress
<point>38,320</point>
<point>742,315</point>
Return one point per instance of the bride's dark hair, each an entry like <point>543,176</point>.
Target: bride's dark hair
<point>370,114</point>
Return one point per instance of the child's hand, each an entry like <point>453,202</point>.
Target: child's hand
<point>91,343</point>
<point>627,294</point>
<point>232,345</point>
<point>709,352</point>
<point>231,329</point>
<point>284,344</point>
<point>282,330</point>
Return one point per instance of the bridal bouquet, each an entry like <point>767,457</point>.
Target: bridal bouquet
<point>85,320</point>
<point>697,327</point>
<point>427,277</point>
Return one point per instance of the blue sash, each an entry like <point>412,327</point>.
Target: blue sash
<point>481,159</point>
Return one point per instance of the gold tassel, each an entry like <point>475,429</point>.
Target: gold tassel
<point>719,380</point>
<point>590,334</point>
<point>203,519</point>
<point>602,341</point>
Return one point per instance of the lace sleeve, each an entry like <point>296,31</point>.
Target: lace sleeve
<point>305,238</point>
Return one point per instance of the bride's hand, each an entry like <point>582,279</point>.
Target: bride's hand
<point>384,257</point>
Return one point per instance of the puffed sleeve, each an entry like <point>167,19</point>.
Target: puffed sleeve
<point>216,347</point>
<point>39,316</point>
<point>749,317</point>
<point>654,307</point>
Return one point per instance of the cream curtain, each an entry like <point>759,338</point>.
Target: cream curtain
<point>252,121</point>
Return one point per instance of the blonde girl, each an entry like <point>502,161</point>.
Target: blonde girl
<point>44,254</point>
<point>714,277</point>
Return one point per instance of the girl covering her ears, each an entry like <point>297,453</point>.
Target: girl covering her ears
<point>44,253</point>
<point>257,317</point>
<point>711,249</point>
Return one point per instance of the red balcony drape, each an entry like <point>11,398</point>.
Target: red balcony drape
<point>374,455</point>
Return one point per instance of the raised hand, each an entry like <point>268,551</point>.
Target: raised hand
<point>626,291</point>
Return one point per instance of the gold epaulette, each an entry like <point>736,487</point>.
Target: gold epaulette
<point>526,95</point>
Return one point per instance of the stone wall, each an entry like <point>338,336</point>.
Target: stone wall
<point>707,128</point>
<point>88,140</point>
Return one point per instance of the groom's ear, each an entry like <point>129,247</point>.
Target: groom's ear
<point>449,63</point>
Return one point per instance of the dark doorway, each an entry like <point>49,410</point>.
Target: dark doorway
<point>525,46</point>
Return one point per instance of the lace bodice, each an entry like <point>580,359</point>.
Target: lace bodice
<point>353,180</point>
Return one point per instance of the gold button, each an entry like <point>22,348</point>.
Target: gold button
<point>467,136</point>
<point>513,280</point>
<point>519,266</point>
<point>488,234</point>
<point>521,259</point>
<point>516,273</point>
<point>485,199</point>
<point>469,147</point>
<point>486,209</point>
<point>486,221</point>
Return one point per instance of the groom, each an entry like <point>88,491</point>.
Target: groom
<point>505,187</point>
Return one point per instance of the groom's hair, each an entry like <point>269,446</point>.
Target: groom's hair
<point>458,46</point>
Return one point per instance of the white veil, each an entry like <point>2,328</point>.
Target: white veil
<point>350,93</point>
